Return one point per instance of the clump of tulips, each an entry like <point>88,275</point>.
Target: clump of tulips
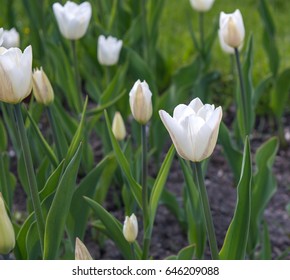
<point>85,85</point>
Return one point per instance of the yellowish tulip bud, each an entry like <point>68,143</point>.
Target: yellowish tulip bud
<point>140,102</point>
<point>7,236</point>
<point>118,127</point>
<point>42,88</point>
<point>81,251</point>
<point>130,228</point>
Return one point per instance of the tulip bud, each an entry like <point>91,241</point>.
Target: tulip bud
<point>140,102</point>
<point>7,236</point>
<point>201,5</point>
<point>130,228</point>
<point>72,19</point>
<point>232,30</point>
<point>193,129</point>
<point>42,88</point>
<point>118,127</point>
<point>81,251</point>
<point>109,50</point>
<point>15,74</point>
<point>10,39</point>
<point>1,36</point>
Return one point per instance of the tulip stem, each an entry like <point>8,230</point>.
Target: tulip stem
<point>30,174</point>
<point>78,100</point>
<point>243,94</point>
<point>133,251</point>
<point>206,210</point>
<point>201,33</point>
<point>146,234</point>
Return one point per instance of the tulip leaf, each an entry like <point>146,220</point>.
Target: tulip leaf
<point>232,154</point>
<point>264,186</point>
<point>266,252</point>
<point>269,35</point>
<point>3,138</point>
<point>113,227</point>
<point>134,186</point>
<point>194,211</point>
<point>159,182</point>
<point>79,210</point>
<point>46,147</point>
<point>234,247</point>
<point>58,212</point>
<point>32,242</point>
<point>186,253</point>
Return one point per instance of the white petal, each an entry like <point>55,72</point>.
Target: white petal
<point>195,104</point>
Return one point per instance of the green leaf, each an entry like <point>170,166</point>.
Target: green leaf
<point>234,247</point>
<point>264,186</point>
<point>32,242</point>
<point>186,253</point>
<point>266,252</point>
<point>45,146</point>
<point>79,210</point>
<point>134,186</point>
<point>3,138</point>
<point>160,182</point>
<point>113,228</point>
<point>279,97</point>
<point>232,154</point>
<point>58,212</point>
<point>269,37</point>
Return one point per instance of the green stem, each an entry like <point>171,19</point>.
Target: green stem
<point>30,174</point>
<point>201,34</point>
<point>243,94</point>
<point>5,191</point>
<point>79,99</point>
<point>206,211</point>
<point>146,238</point>
<point>133,251</point>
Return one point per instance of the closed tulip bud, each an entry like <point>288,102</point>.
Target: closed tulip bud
<point>193,129</point>
<point>118,127</point>
<point>81,251</point>
<point>1,36</point>
<point>201,5</point>
<point>231,29</point>
<point>72,19</point>
<point>109,50</point>
<point>130,228</point>
<point>42,88</point>
<point>15,74</point>
<point>140,102</point>
<point>7,236</point>
<point>10,39</point>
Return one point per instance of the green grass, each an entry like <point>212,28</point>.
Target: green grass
<point>176,44</point>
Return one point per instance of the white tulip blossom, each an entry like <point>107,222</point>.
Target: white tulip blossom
<point>140,102</point>
<point>193,129</point>
<point>1,36</point>
<point>15,74</point>
<point>11,39</point>
<point>7,235</point>
<point>42,88</point>
<point>72,19</point>
<point>231,30</point>
<point>201,5</point>
<point>130,228</point>
<point>109,50</point>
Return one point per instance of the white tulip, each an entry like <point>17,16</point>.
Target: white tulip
<point>231,30</point>
<point>7,235</point>
<point>140,102</point>
<point>109,50</point>
<point>201,5</point>
<point>1,36</point>
<point>81,251</point>
<point>118,127</point>
<point>193,129</point>
<point>10,39</point>
<point>130,228</point>
<point>42,88</point>
<point>15,74</point>
<point>72,19</point>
